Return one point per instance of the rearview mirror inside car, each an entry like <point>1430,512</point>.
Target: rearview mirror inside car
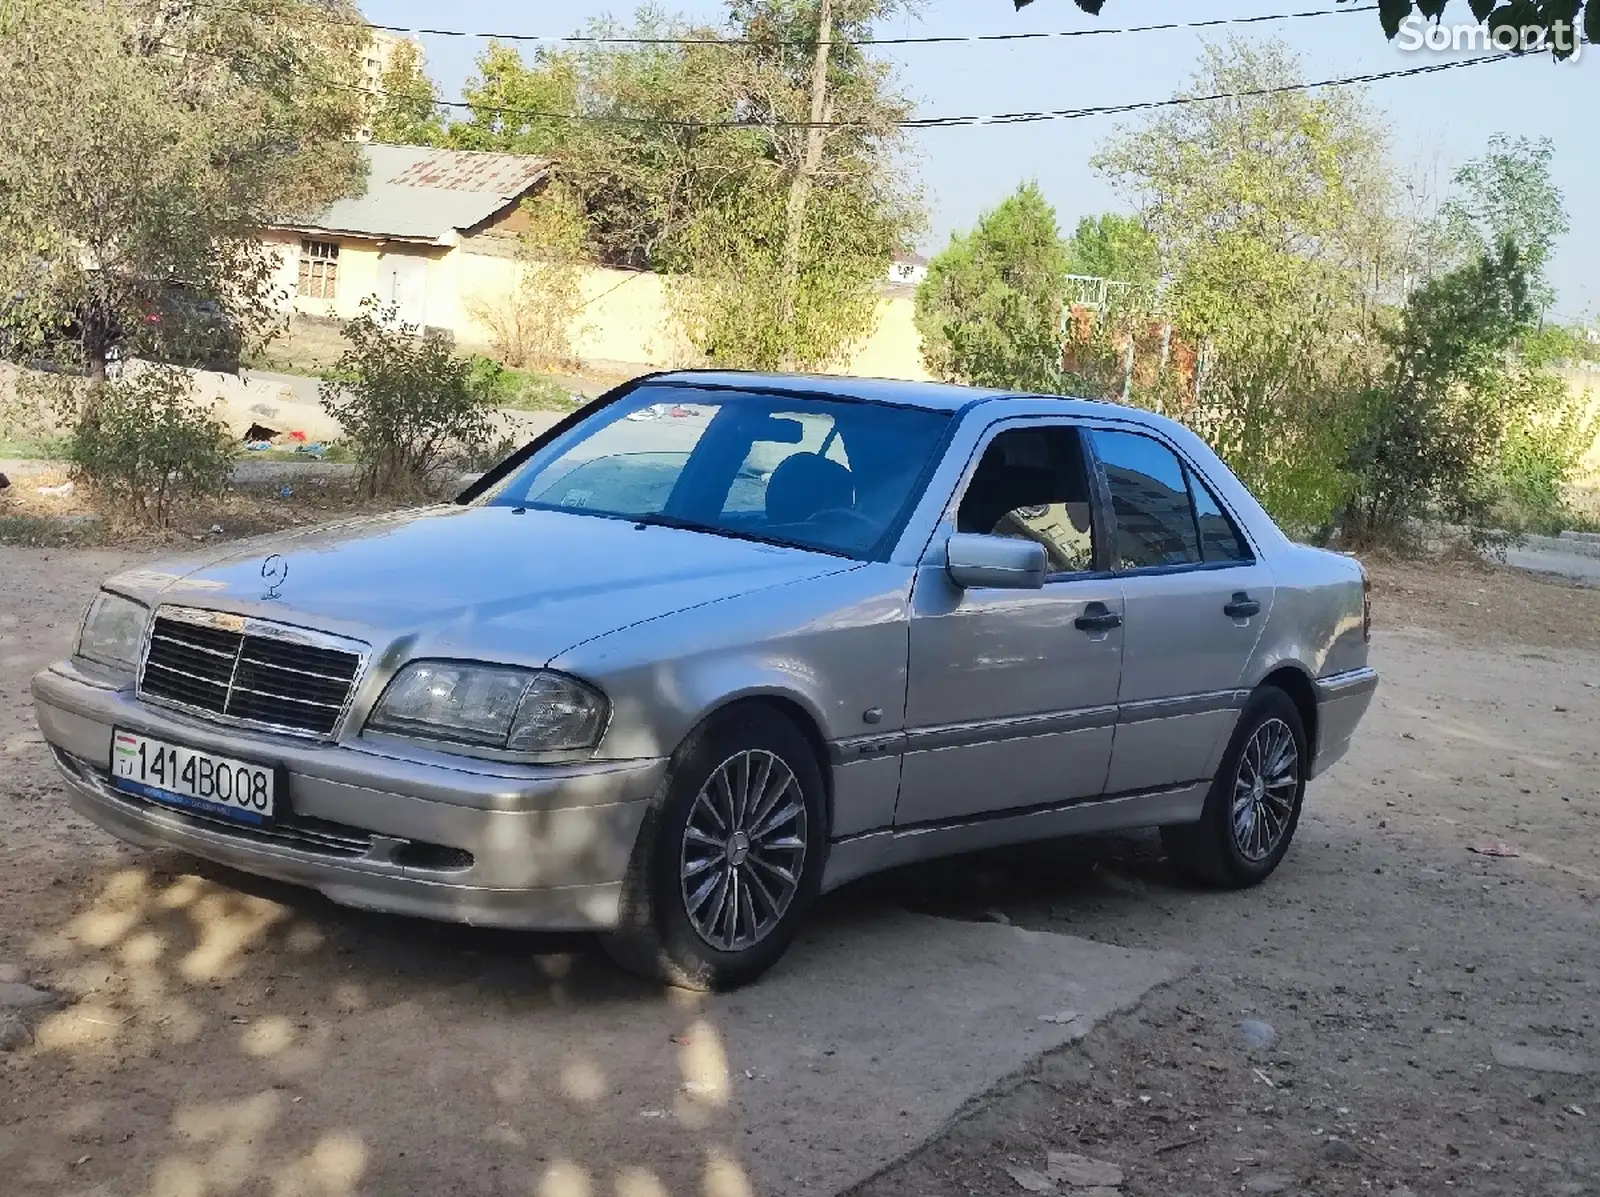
<point>780,430</point>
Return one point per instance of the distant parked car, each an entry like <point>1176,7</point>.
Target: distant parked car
<point>174,323</point>
<point>670,679</point>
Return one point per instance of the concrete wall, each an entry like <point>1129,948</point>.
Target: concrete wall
<point>1586,384</point>
<point>626,318</point>
<point>1585,493</point>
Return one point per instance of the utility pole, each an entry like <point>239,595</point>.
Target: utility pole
<point>806,171</point>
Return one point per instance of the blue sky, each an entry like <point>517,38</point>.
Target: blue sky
<point>1438,121</point>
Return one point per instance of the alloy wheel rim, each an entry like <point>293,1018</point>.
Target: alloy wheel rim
<point>1264,790</point>
<point>744,850</point>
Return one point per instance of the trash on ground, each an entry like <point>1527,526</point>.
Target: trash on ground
<point>1033,1182</point>
<point>1080,1172</point>
<point>258,446</point>
<point>1493,847</point>
<point>1060,1017</point>
<point>286,493</point>
<point>297,436</point>
<point>57,492</point>
<point>1542,1059</point>
<point>1340,1151</point>
<point>1256,1034</point>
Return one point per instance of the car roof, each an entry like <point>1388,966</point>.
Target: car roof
<point>934,396</point>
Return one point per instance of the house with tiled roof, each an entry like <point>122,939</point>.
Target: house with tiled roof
<point>436,232</point>
<point>431,229</point>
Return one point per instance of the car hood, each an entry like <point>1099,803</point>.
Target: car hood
<point>482,582</point>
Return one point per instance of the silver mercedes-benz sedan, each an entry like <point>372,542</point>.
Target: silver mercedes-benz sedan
<point>718,642</point>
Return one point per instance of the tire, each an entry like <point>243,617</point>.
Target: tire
<point>1231,853</point>
<point>669,929</point>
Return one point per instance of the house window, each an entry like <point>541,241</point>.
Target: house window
<point>319,269</point>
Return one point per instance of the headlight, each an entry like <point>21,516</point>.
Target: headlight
<point>516,710</point>
<point>113,631</point>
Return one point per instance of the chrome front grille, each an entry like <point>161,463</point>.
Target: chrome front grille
<point>250,671</point>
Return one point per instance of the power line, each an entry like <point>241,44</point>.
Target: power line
<point>950,39</point>
<point>943,122</point>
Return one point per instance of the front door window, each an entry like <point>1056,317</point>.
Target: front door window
<point>1031,483</point>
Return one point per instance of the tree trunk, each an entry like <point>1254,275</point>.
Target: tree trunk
<point>800,188</point>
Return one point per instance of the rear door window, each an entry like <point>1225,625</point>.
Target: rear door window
<point>1150,500</point>
<point>1220,539</point>
<point>1166,515</point>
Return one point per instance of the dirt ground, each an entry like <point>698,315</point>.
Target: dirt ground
<point>1393,964</point>
<point>1399,972</point>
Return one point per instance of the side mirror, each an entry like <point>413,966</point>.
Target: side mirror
<point>1001,562</point>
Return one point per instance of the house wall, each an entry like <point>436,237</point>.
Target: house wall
<point>1584,385</point>
<point>626,319</point>
<point>358,274</point>
<point>370,268</point>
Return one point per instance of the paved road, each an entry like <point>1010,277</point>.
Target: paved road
<point>1543,558</point>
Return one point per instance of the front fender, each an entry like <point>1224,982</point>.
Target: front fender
<point>835,646</point>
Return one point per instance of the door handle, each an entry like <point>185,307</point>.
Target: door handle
<point>1241,606</point>
<point>1097,617</point>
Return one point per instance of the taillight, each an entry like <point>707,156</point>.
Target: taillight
<point>1366,605</point>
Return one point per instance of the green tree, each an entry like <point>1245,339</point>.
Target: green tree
<point>405,401</point>
<point>991,308</point>
<point>407,110</point>
<point>1114,246</point>
<point>656,150</point>
<point>733,300</point>
<point>1508,195</point>
<point>1274,215</point>
<point>143,144</point>
<point>149,444</point>
<point>695,150</point>
<point>518,108</point>
<point>1433,425</point>
<point>1560,17</point>
<point>824,125</point>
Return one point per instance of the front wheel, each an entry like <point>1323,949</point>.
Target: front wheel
<point>1254,804</point>
<point>729,859</point>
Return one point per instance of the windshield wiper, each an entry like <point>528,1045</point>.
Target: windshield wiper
<point>674,521</point>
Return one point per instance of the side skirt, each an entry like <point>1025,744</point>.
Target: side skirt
<point>874,851</point>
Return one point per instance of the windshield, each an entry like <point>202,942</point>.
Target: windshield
<point>825,474</point>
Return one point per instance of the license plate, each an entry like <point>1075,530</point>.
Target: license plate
<point>200,781</point>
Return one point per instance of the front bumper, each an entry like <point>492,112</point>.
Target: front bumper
<point>538,847</point>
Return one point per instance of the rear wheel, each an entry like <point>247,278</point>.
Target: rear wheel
<point>729,859</point>
<point>1254,804</point>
